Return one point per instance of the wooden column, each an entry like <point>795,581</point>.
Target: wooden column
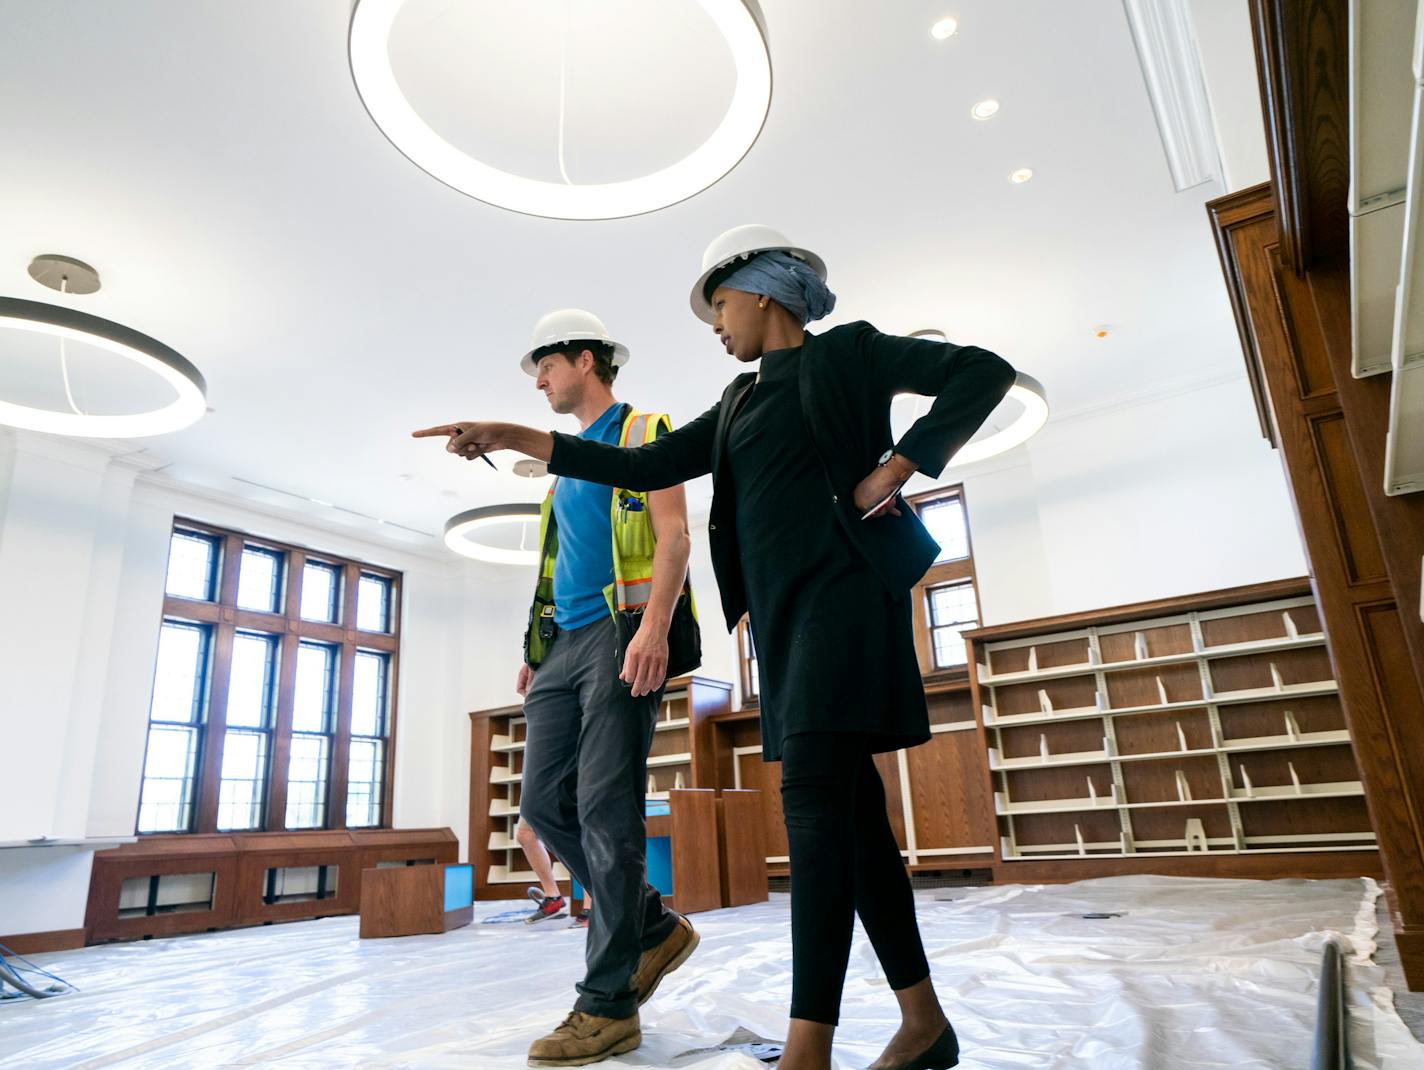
<point>1295,330</point>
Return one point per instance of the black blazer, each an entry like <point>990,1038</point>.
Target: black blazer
<point>849,375</point>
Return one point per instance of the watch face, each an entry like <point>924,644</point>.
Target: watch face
<point>885,457</point>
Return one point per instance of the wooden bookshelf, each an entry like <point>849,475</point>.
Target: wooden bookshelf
<point>680,757</point>
<point>1199,735</point>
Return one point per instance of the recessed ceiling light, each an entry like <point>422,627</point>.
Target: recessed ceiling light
<point>530,468</point>
<point>934,334</point>
<point>67,325</point>
<point>1022,175</point>
<point>985,109</point>
<point>944,28</point>
<point>460,529</point>
<point>740,26</point>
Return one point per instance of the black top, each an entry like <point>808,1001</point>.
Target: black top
<point>835,653</point>
<point>846,381</point>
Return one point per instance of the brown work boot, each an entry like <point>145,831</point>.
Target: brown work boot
<point>584,1038</point>
<point>658,962</point>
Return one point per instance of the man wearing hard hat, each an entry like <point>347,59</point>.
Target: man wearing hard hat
<point>612,576</point>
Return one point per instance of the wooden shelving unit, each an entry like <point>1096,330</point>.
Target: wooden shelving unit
<point>680,757</point>
<point>1200,728</point>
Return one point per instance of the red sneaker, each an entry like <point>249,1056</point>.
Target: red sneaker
<point>549,907</point>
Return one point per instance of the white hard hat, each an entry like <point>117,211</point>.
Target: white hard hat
<point>570,325</point>
<point>741,243</point>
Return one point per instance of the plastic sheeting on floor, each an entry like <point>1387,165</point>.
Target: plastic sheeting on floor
<point>1188,973</point>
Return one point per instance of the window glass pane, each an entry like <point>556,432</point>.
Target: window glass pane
<point>365,777</point>
<point>249,692</point>
<point>953,611</point>
<point>319,590</point>
<point>167,800</point>
<point>244,778</point>
<point>949,648</point>
<point>373,604</point>
<point>306,782</point>
<point>259,580</point>
<point>368,695</point>
<point>178,678</point>
<point>953,604</point>
<point>192,565</point>
<point>946,523</point>
<point>312,703</point>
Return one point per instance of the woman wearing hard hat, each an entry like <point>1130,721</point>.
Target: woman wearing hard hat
<point>807,535</point>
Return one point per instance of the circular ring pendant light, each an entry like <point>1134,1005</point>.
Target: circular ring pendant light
<point>1027,394</point>
<point>460,529</point>
<point>149,354</point>
<point>739,22</point>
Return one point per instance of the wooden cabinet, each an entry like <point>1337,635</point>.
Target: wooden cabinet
<point>1193,735</point>
<point>166,885</point>
<point>681,757</point>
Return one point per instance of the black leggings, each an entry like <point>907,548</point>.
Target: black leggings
<point>844,862</point>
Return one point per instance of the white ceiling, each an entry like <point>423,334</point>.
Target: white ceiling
<point>214,162</point>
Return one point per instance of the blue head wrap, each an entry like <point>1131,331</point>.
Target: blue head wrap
<point>791,283</point>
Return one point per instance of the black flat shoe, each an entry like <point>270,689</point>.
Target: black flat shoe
<point>940,1055</point>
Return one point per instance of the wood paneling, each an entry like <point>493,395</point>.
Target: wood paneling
<point>696,861</point>
<point>38,943</point>
<point>742,844</point>
<point>1363,547</point>
<point>239,863</point>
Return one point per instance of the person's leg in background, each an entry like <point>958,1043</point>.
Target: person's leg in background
<point>549,899</point>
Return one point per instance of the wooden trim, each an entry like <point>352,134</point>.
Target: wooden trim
<point>751,698</point>
<point>1302,63</point>
<point>956,571</point>
<point>1327,865</point>
<point>38,943</point>
<point>1160,607</point>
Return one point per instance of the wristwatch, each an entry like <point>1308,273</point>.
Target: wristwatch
<point>885,460</point>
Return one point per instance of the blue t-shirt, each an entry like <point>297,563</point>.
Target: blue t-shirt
<point>584,566</point>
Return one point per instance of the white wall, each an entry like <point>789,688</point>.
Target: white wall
<point>1167,496</point>
<point>83,553</point>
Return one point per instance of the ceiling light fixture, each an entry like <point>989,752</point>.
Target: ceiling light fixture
<point>1022,175</point>
<point>460,528</point>
<point>944,29</point>
<point>152,356</point>
<point>1007,428</point>
<point>1033,399</point>
<point>740,24</point>
<point>985,109</point>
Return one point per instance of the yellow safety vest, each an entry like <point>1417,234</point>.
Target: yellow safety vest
<point>633,544</point>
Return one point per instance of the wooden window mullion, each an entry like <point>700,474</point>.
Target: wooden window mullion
<point>388,771</point>
<point>286,696</point>
<point>346,676</point>
<point>214,728</point>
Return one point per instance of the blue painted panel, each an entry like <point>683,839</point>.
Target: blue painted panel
<point>459,886</point>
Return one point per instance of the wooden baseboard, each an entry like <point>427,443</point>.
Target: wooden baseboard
<point>1326,865</point>
<point>36,943</point>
